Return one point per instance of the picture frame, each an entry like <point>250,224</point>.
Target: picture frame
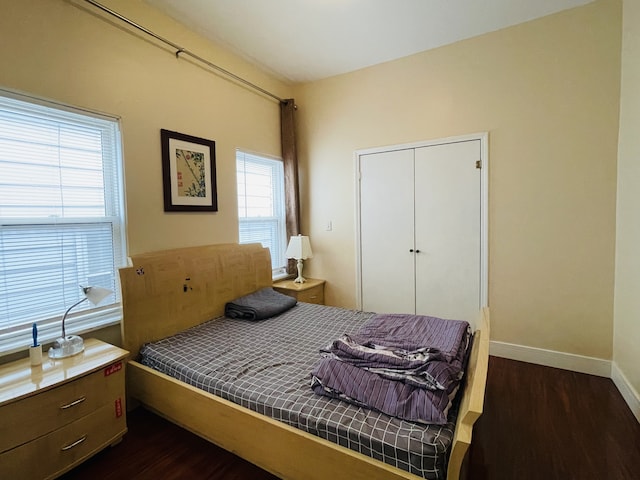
<point>189,173</point>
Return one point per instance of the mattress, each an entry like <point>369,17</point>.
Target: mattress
<point>266,366</point>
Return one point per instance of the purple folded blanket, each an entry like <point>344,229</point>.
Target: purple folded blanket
<point>408,366</point>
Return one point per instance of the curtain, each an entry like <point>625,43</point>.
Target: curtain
<point>290,159</point>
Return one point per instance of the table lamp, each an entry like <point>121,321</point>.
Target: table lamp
<point>69,345</point>
<point>300,249</point>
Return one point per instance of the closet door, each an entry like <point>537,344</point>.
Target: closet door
<point>386,232</point>
<point>447,230</point>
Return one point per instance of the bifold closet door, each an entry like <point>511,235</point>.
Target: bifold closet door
<point>447,230</point>
<point>387,232</point>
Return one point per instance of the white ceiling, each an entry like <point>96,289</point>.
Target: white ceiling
<point>306,40</point>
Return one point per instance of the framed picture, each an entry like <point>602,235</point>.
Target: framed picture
<point>189,173</point>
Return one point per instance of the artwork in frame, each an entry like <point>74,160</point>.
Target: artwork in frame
<point>189,173</point>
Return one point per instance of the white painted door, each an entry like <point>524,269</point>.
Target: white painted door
<point>386,232</point>
<point>448,230</point>
<point>421,214</point>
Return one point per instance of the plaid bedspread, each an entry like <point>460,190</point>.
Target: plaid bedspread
<point>265,366</point>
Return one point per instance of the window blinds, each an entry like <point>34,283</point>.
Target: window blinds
<point>61,218</point>
<point>261,209</point>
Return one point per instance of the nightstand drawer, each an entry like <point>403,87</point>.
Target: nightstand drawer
<point>311,291</point>
<point>59,451</point>
<point>312,295</point>
<point>38,415</point>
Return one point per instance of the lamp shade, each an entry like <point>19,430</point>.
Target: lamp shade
<point>96,294</point>
<point>299,248</point>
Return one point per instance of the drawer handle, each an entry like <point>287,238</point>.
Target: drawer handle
<point>73,404</point>
<point>74,444</point>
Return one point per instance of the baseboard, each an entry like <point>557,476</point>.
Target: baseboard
<point>627,391</point>
<point>551,358</point>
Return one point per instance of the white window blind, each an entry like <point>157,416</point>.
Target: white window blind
<point>261,208</point>
<point>61,219</point>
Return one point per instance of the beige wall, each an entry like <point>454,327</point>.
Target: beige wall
<point>627,299</point>
<point>64,50</point>
<point>67,52</point>
<point>548,93</point>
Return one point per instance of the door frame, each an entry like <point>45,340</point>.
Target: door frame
<point>483,137</point>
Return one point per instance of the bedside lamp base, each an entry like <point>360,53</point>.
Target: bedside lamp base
<point>300,278</point>
<point>67,347</point>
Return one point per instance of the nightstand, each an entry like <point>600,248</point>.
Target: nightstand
<point>311,291</point>
<point>58,414</point>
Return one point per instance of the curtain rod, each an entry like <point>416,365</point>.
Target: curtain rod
<point>181,50</point>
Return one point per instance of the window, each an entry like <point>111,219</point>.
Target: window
<point>261,209</point>
<point>61,218</point>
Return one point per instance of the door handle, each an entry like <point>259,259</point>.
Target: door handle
<point>411,250</point>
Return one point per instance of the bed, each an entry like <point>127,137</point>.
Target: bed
<point>167,292</point>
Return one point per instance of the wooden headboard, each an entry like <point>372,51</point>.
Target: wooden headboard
<point>168,291</point>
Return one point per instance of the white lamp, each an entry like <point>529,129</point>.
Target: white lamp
<point>300,249</point>
<point>69,345</point>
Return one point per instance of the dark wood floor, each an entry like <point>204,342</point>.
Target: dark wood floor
<point>545,423</point>
<point>539,423</point>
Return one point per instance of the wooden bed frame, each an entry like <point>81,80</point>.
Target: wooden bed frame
<point>168,291</point>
